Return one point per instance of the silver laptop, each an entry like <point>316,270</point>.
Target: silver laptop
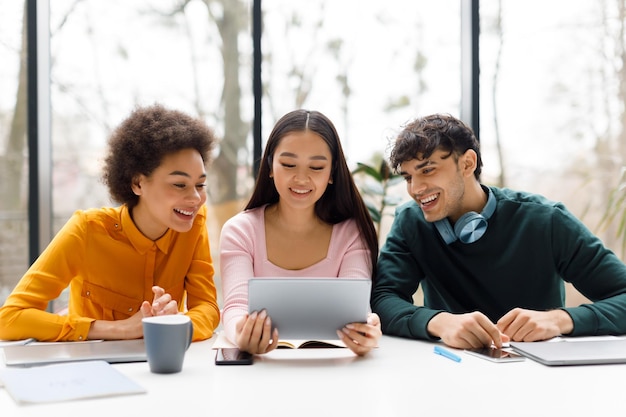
<point>112,351</point>
<point>310,308</point>
<point>584,352</point>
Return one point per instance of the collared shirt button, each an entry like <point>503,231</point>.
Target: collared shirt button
<point>88,293</point>
<point>130,309</point>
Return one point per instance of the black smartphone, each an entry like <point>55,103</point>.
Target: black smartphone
<point>495,355</point>
<point>233,356</point>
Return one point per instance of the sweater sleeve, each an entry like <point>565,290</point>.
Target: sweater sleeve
<point>398,277</point>
<point>595,271</point>
<point>236,268</point>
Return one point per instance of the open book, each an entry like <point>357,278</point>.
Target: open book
<point>223,342</point>
<point>303,344</point>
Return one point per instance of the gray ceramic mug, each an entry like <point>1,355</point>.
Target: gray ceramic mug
<point>167,338</point>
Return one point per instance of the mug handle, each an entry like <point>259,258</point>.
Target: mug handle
<point>190,334</point>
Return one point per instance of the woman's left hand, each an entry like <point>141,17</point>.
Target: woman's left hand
<point>362,337</point>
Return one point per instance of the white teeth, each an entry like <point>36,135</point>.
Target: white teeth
<point>429,199</point>
<point>185,212</point>
<point>300,191</point>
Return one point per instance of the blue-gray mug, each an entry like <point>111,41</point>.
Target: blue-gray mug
<point>167,338</point>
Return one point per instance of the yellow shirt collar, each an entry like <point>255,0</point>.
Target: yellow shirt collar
<point>139,241</point>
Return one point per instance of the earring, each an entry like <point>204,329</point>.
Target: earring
<point>330,181</point>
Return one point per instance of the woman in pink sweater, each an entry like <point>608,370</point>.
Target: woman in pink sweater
<point>305,218</point>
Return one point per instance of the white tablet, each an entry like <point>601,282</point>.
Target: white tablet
<point>310,308</point>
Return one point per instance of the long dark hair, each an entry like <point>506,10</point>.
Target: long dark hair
<point>341,200</point>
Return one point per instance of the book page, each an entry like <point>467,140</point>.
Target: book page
<point>222,342</point>
<point>308,344</point>
<point>66,381</point>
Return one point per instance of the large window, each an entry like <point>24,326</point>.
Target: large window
<point>369,66</point>
<point>551,91</point>
<point>13,152</point>
<point>111,56</point>
<point>106,58</point>
<point>552,101</point>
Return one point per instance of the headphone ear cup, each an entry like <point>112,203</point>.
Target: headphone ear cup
<point>470,227</point>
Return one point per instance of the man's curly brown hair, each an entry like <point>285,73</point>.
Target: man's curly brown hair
<point>139,144</point>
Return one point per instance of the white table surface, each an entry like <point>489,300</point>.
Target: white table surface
<point>400,378</point>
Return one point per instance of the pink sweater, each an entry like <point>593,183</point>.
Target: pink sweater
<point>243,255</point>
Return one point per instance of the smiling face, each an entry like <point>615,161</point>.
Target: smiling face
<point>301,168</point>
<point>438,184</point>
<point>171,196</point>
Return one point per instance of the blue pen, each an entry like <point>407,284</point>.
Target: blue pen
<point>446,353</point>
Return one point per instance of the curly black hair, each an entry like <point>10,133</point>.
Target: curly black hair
<point>423,136</point>
<point>139,144</point>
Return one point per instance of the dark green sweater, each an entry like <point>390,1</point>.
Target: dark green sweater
<point>531,245</point>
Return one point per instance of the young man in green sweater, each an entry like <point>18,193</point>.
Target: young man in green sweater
<point>492,262</point>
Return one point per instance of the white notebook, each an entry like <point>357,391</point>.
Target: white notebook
<point>66,381</point>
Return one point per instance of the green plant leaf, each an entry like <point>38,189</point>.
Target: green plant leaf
<point>367,170</point>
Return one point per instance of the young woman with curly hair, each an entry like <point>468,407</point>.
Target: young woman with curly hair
<point>148,256</point>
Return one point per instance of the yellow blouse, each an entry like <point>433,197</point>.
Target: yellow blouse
<point>110,267</point>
